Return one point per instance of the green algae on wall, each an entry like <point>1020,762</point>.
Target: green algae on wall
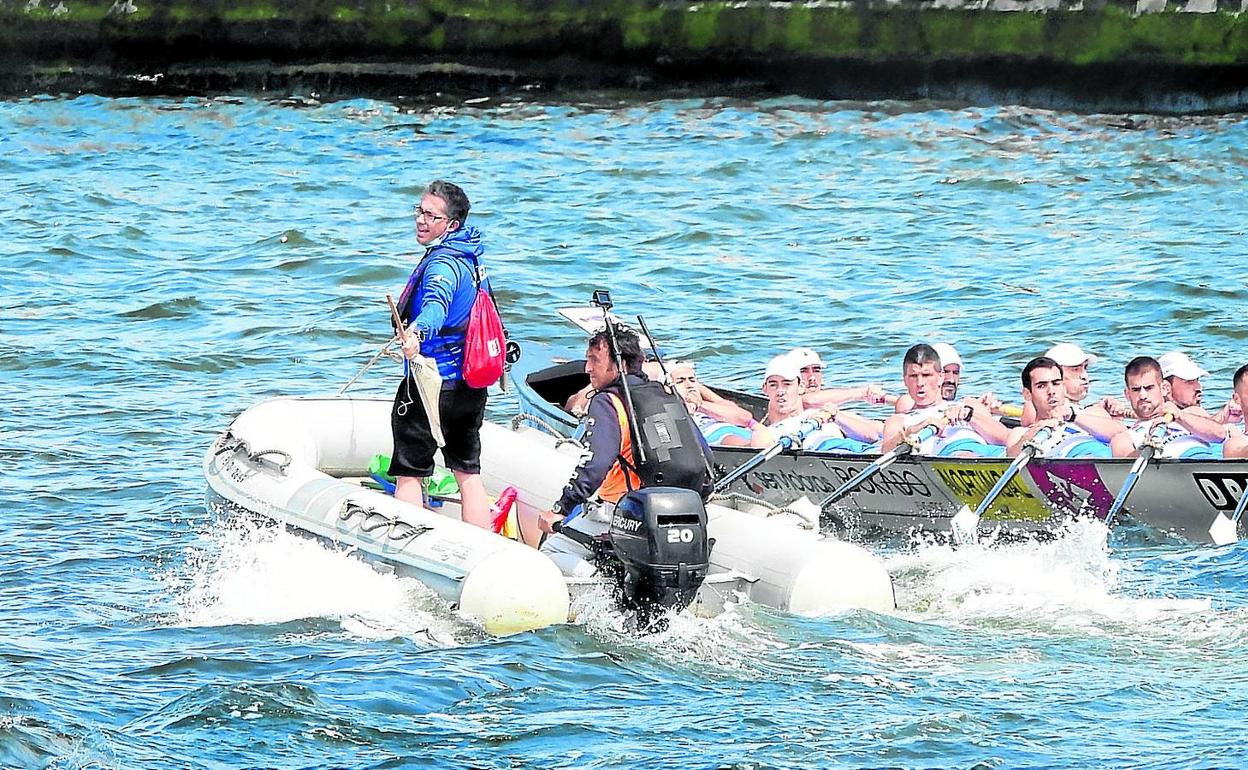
<point>807,43</point>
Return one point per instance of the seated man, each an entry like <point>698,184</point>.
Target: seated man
<point>810,367</point>
<point>786,414</point>
<point>951,379</point>
<point>1236,446</point>
<point>1075,364</point>
<point>962,428</point>
<point>1188,432</point>
<point>1072,432</point>
<point>602,478</point>
<point>721,421</point>
<point>1183,375</point>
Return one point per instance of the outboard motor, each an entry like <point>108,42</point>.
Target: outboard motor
<point>658,535</point>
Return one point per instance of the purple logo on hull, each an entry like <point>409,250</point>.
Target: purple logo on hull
<point>1075,487</point>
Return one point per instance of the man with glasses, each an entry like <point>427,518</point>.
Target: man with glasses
<point>434,308</point>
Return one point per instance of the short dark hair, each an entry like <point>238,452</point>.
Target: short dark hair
<point>1139,365</point>
<point>1039,362</point>
<point>920,354</point>
<point>1240,374</point>
<point>630,346</point>
<point>456,199</point>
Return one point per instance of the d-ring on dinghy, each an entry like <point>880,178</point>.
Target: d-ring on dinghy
<point>300,462</point>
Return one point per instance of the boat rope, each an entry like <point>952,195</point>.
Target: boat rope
<point>738,497</point>
<point>397,529</point>
<point>539,422</point>
<point>256,457</point>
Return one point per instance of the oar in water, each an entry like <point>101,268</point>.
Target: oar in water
<point>1225,531</point>
<point>882,462</point>
<point>965,522</point>
<point>1137,469</point>
<point>806,428</point>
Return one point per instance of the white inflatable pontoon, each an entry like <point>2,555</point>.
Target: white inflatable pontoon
<point>300,462</point>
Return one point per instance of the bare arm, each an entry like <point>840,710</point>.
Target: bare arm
<point>722,409</point>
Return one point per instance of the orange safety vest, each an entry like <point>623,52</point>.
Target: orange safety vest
<point>619,479</point>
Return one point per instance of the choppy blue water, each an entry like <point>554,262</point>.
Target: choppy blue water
<point>164,264</point>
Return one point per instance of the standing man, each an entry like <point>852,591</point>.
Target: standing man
<point>434,308</point>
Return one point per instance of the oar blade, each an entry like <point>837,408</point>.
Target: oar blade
<point>1223,531</point>
<point>965,526</point>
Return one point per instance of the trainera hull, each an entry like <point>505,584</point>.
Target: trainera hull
<point>1179,497</point>
<point>298,462</point>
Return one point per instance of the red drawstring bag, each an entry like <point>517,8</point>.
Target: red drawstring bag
<point>484,343</point>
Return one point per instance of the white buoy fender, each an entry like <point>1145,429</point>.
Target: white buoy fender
<point>794,569</point>
<point>515,589</point>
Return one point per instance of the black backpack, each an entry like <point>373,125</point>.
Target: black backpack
<point>670,441</point>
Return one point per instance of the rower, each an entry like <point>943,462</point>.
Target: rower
<point>1073,432</point>
<point>1189,432</point>
<point>722,422</point>
<point>1236,445</point>
<point>810,369</point>
<point>782,384</point>
<point>963,428</point>
<point>951,380</point>
<point>1076,375</point>
<point>1184,377</point>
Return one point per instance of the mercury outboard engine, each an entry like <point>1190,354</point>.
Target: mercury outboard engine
<point>658,535</point>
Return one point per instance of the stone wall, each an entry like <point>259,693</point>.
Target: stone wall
<point>1099,54</point>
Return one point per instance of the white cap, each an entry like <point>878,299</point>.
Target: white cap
<point>1069,354</point>
<point>947,354</point>
<point>783,366</point>
<point>805,357</point>
<point>1176,364</point>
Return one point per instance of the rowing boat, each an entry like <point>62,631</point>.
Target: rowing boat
<point>1183,497</point>
<point>303,463</point>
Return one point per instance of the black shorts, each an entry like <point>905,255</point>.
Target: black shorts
<point>461,410</point>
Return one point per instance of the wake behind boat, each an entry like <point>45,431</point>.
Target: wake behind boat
<point>302,463</point>
<point>1190,498</point>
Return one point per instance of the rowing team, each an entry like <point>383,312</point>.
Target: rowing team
<point>1162,408</point>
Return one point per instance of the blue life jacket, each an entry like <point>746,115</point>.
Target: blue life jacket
<point>439,296</point>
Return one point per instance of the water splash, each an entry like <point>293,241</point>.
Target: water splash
<point>248,574</point>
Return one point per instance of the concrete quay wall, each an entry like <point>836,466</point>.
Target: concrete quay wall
<point>1112,55</point>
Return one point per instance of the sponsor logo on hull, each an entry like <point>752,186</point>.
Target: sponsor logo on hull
<point>972,483</point>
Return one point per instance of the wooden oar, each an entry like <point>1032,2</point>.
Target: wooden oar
<point>965,523</point>
<point>806,428</point>
<point>424,372</point>
<point>884,460</point>
<point>1225,531</point>
<point>1137,469</point>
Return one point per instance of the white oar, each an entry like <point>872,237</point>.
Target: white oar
<point>965,523</point>
<point>1137,469</point>
<point>884,460</point>
<point>1225,531</point>
<point>786,442</point>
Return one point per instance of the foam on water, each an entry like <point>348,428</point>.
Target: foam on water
<point>1072,584</point>
<point>245,574</point>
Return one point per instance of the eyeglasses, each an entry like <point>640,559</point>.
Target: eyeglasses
<point>433,218</point>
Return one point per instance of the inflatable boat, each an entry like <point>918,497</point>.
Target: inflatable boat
<point>303,463</point>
